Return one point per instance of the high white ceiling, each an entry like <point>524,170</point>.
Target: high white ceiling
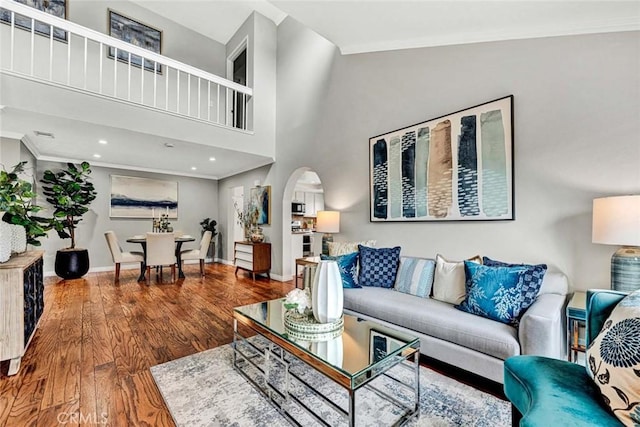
<point>354,26</point>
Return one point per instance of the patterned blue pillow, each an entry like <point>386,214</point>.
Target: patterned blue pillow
<point>348,265</point>
<point>415,276</point>
<point>494,292</point>
<point>378,266</point>
<point>531,279</point>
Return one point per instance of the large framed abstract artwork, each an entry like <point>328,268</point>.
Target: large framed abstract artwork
<point>458,167</point>
<point>261,199</point>
<point>138,34</point>
<point>133,197</point>
<point>54,7</point>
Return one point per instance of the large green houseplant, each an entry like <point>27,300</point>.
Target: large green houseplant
<point>17,204</point>
<point>70,192</point>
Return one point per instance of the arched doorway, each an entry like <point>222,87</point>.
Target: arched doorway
<point>302,180</point>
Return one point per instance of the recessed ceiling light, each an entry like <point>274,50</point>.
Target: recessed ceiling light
<point>44,134</point>
<point>169,145</point>
<point>103,141</point>
<point>97,156</point>
<point>193,168</point>
<point>212,159</point>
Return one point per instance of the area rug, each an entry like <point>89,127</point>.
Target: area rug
<point>204,390</point>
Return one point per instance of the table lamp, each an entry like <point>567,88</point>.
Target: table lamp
<point>327,222</point>
<point>616,221</point>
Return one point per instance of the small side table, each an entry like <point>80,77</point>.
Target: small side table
<point>576,315</point>
<point>302,262</point>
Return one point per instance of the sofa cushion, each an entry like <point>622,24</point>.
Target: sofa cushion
<point>499,293</point>
<point>378,266</point>
<point>415,276</point>
<point>436,319</point>
<point>614,360</point>
<point>530,281</point>
<point>348,266</point>
<point>343,248</point>
<point>449,281</point>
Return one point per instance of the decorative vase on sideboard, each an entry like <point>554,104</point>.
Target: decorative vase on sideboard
<point>327,297</point>
<point>5,240</point>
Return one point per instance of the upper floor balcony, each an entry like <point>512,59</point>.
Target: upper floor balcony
<point>53,67</point>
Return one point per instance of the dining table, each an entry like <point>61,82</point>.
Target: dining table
<point>142,240</point>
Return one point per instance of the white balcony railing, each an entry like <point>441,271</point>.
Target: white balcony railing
<point>63,53</point>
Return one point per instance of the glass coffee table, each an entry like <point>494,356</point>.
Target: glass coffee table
<point>291,366</point>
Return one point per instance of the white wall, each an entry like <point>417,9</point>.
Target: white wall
<point>197,199</point>
<point>577,121</point>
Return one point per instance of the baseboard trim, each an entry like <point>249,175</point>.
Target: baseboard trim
<point>128,267</point>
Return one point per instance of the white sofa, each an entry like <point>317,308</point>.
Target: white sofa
<point>470,342</point>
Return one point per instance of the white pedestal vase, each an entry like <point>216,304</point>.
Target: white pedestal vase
<point>18,238</point>
<point>5,240</point>
<point>327,296</point>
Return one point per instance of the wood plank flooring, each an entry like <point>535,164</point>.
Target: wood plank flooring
<point>88,363</point>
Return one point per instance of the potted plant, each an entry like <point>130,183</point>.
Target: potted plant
<point>70,192</point>
<point>17,205</point>
<point>210,225</point>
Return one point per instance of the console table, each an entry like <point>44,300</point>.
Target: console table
<point>253,257</point>
<point>21,305</point>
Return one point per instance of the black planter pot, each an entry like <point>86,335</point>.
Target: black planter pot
<point>72,263</point>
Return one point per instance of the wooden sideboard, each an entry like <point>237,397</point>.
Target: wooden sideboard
<point>21,305</point>
<point>253,257</point>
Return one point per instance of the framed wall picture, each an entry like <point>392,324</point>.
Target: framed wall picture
<point>133,197</point>
<point>457,167</point>
<point>261,198</point>
<point>381,344</point>
<point>138,34</point>
<point>53,7</point>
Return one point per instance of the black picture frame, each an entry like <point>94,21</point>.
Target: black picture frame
<point>131,31</point>
<point>456,167</point>
<point>56,8</point>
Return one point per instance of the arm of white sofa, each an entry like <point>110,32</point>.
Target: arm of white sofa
<point>541,331</point>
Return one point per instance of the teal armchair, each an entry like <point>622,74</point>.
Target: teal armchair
<point>550,392</point>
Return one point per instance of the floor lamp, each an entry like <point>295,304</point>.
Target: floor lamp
<point>327,222</point>
<point>616,221</point>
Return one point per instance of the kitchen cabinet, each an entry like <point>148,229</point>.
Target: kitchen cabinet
<point>21,305</point>
<point>318,200</point>
<point>298,196</point>
<point>253,257</point>
<point>314,202</point>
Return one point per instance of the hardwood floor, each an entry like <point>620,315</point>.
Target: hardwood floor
<point>89,360</point>
<point>88,363</point>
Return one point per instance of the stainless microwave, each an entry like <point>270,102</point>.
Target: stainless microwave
<point>297,208</point>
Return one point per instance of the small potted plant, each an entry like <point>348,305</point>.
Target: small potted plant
<point>70,193</point>
<point>208,224</point>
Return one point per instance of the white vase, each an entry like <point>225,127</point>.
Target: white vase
<point>331,351</point>
<point>327,296</point>
<point>18,238</point>
<point>5,241</point>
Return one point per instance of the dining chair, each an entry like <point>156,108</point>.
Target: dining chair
<point>118,256</point>
<point>199,254</point>
<point>161,251</point>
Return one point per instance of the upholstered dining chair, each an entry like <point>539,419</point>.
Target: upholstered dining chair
<point>118,256</point>
<point>199,254</point>
<point>161,250</point>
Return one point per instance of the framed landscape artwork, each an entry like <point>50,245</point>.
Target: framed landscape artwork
<point>261,197</point>
<point>133,197</point>
<point>458,167</point>
<point>53,7</point>
<point>138,34</point>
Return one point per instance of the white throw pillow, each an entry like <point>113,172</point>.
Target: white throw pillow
<point>448,283</point>
<point>614,360</point>
<point>343,248</point>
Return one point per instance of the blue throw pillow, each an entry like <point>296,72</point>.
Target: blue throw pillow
<point>348,265</point>
<point>494,292</point>
<point>531,280</point>
<point>378,266</point>
<point>415,276</point>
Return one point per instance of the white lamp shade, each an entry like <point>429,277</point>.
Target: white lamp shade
<point>328,221</point>
<point>616,220</point>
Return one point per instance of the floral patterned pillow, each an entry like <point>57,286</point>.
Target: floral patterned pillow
<point>614,360</point>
